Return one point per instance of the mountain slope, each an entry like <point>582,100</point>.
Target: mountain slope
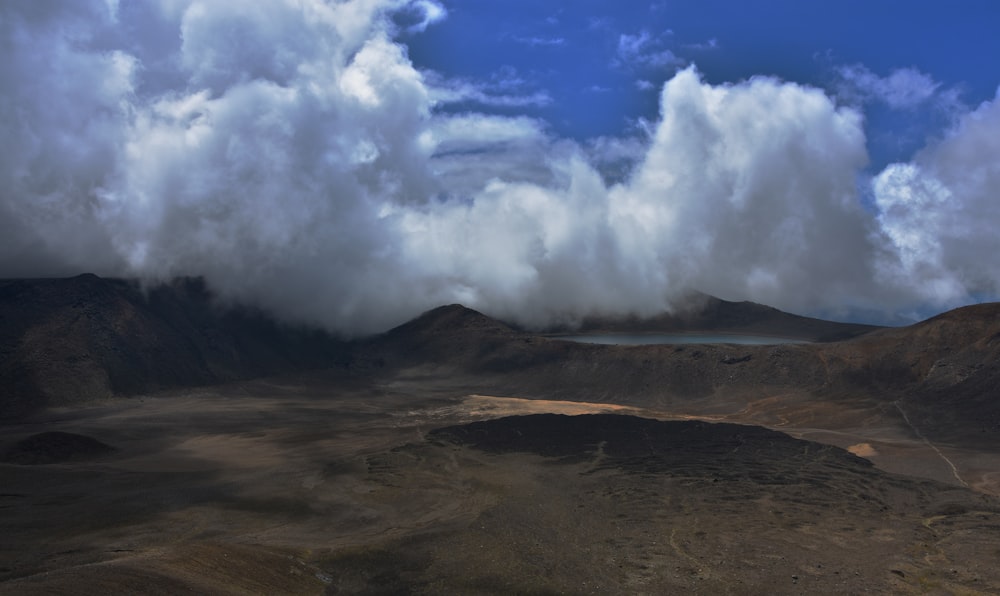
<point>942,375</point>
<point>943,372</point>
<point>708,313</point>
<point>63,341</point>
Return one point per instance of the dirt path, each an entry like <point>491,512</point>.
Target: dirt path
<point>916,431</point>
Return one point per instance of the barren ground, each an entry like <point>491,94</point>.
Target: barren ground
<point>325,483</point>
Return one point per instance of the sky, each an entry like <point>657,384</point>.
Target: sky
<point>353,163</point>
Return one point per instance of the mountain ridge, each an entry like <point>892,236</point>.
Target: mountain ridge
<point>703,312</point>
<point>69,341</point>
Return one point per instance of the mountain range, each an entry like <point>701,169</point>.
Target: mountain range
<point>75,340</point>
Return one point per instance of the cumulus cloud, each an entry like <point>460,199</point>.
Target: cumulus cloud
<point>615,158</point>
<point>470,150</point>
<point>940,213</point>
<point>61,117</point>
<point>289,152</point>
<point>748,190</point>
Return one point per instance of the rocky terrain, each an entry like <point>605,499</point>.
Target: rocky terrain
<point>458,454</point>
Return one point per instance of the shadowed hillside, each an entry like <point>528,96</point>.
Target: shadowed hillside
<point>944,372</point>
<point>64,341</point>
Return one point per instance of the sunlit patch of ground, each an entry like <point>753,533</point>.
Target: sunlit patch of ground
<point>494,406</point>
<point>863,450</point>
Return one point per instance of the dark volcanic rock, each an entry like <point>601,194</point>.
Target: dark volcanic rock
<point>54,447</point>
<point>689,447</point>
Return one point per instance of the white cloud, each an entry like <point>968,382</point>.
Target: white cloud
<point>644,50</point>
<point>431,12</point>
<point>501,92</point>
<point>292,155</point>
<point>904,88</point>
<point>940,213</point>
<point>615,158</point>
<point>470,150</point>
<point>747,191</point>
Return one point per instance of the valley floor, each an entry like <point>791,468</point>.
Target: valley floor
<point>330,483</point>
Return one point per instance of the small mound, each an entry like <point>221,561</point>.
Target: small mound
<point>54,447</point>
<point>644,445</point>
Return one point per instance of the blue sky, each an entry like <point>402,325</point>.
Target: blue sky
<point>593,58</point>
<point>353,163</point>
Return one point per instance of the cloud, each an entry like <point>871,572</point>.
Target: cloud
<point>711,44</point>
<point>939,213</point>
<point>645,51</point>
<point>60,116</point>
<point>292,155</point>
<point>904,88</point>
<point>747,190</point>
<point>468,151</point>
<point>599,23</point>
<point>615,158</point>
<point>429,13</point>
<point>536,41</point>
<point>744,190</point>
<point>266,169</point>
<point>500,92</point>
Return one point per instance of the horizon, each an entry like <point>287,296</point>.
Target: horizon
<point>690,304</point>
<point>355,164</point>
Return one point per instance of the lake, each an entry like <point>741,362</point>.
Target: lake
<point>636,339</point>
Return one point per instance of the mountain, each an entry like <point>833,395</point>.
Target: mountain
<point>437,330</point>
<point>447,336</point>
<point>943,373</point>
<point>702,312</point>
<point>65,341</point>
